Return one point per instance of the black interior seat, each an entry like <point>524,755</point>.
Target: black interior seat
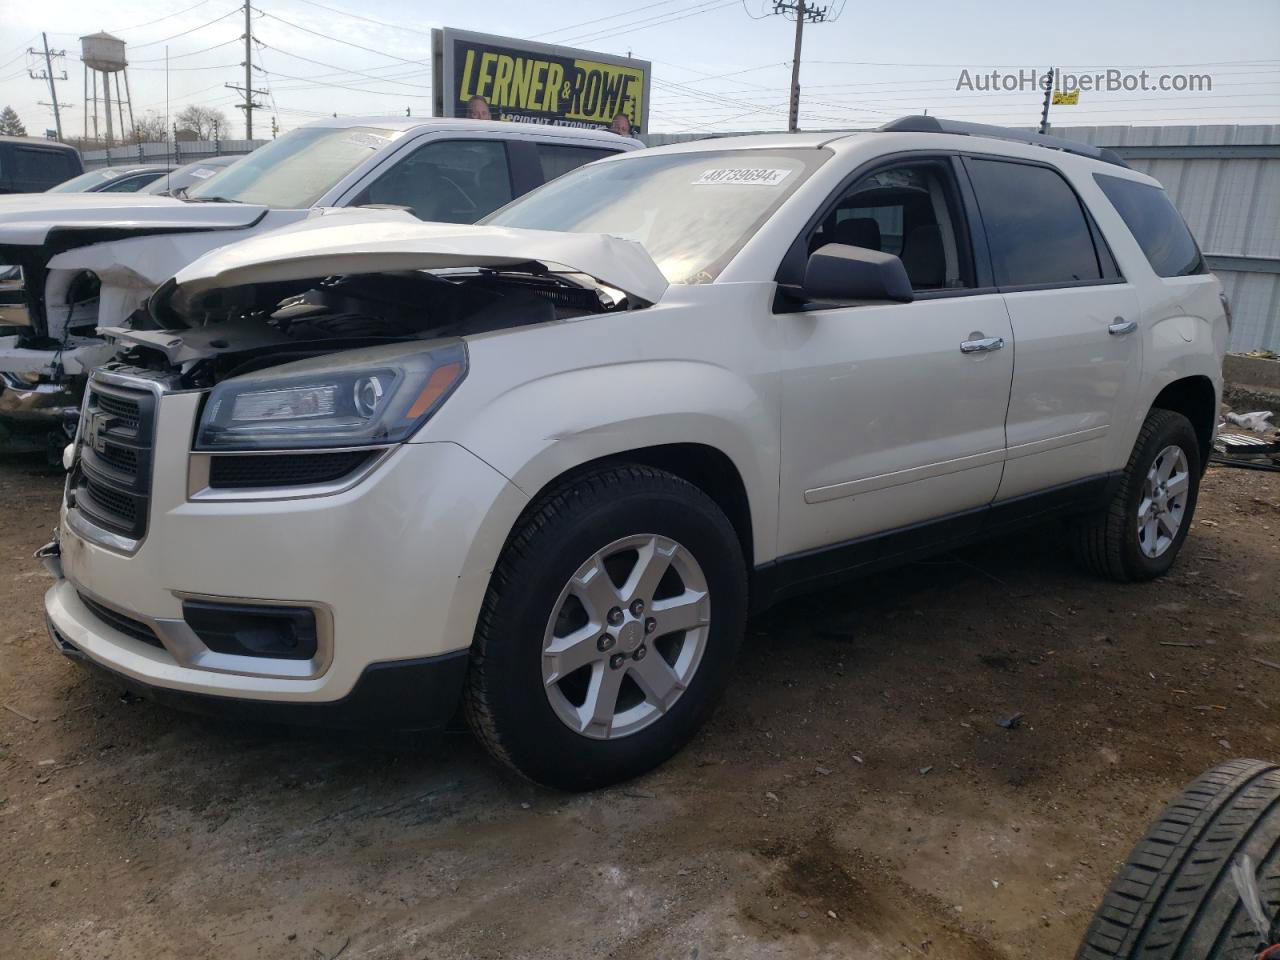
<point>857,232</point>
<point>924,258</point>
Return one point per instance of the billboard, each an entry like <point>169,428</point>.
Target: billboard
<point>482,76</point>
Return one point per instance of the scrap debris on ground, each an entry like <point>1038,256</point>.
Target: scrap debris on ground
<point>945,760</point>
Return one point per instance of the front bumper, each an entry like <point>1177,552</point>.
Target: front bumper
<point>397,564</point>
<point>421,694</point>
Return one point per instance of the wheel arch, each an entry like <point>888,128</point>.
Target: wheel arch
<point>706,467</point>
<point>1196,398</point>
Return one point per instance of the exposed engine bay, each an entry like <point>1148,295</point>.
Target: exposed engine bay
<point>227,332</point>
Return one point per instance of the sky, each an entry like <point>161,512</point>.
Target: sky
<point>718,65</point>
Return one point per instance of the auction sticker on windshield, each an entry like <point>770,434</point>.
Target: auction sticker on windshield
<point>753,176</point>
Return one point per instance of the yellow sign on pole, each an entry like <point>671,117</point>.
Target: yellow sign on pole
<point>1066,98</point>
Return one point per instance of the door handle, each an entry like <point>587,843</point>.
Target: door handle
<point>1120,326</point>
<point>985,345</point>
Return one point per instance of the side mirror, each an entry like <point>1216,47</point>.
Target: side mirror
<point>839,272</point>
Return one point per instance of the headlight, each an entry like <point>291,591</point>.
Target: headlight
<point>357,398</point>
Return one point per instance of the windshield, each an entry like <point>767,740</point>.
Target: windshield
<point>86,181</point>
<point>690,211</point>
<point>183,177</point>
<point>296,170</point>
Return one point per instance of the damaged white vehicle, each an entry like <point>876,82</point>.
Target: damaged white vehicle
<point>364,469</point>
<point>77,262</point>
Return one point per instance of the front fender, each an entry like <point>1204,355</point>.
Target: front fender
<point>546,426</point>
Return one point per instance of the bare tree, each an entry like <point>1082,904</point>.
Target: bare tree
<point>150,128</point>
<point>202,121</point>
<point>10,125</point>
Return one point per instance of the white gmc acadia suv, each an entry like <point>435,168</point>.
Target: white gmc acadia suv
<point>365,470</point>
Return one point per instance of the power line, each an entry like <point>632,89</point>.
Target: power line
<point>398,27</point>
<point>348,43</point>
<point>167,16</point>
<point>219,66</point>
<point>608,33</point>
<point>193,53</point>
<point>321,63</point>
<point>15,59</point>
<point>612,16</point>
<point>152,43</point>
<point>343,86</point>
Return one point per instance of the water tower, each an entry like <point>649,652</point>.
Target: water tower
<point>104,59</point>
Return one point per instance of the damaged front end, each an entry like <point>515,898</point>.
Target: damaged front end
<point>368,278</point>
<point>305,383</point>
<point>42,377</point>
<point>69,265</point>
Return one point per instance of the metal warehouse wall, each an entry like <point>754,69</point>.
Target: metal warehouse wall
<point>1226,181</point>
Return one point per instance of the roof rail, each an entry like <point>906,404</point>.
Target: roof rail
<point>923,124</point>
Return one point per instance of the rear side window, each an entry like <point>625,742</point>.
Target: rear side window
<point>1156,224</point>
<point>32,163</point>
<point>1036,228</point>
<point>557,159</point>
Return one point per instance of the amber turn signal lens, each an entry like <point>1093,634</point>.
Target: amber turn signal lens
<point>441,379</point>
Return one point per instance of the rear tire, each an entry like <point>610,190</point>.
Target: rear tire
<point>575,700</point>
<point>1114,542</point>
<point>1174,898</point>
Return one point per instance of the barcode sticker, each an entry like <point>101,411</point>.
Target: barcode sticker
<point>752,176</point>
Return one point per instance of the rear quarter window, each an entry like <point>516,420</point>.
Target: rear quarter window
<point>1156,224</point>
<point>558,159</point>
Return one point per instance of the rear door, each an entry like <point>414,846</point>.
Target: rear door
<point>1073,316</point>
<point>893,413</point>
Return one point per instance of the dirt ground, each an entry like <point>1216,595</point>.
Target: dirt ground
<point>855,795</point>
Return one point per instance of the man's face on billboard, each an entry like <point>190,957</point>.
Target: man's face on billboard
<point>478,109</point>
<point>621,125</point>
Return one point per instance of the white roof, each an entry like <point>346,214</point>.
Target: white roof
<point>415,124</point>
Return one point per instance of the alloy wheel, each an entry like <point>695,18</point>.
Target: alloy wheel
<point>1163,506</point>
<point>626,636</point>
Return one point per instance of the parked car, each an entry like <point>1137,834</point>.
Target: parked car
<point>113,179</point>
<point>365,469</point>
<point>89,261</point>
<point>32,165</point>
<point>189,174</point>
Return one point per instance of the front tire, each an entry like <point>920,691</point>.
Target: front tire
<point>609,628</point>
<point>1138,534</point>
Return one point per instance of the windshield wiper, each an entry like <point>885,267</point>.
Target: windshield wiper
<point>191,199</point>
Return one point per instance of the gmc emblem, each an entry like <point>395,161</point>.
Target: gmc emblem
<point>95,428</point>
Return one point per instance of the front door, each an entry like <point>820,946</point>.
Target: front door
<point>893,414</point>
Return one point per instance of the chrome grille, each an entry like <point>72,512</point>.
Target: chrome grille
<point>111,479</point>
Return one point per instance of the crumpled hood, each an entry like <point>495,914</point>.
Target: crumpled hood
<point>372,241</point>
<point>28,219</point>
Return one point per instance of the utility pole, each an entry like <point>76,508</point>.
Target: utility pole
<point>247,90</point>
<point>803,11</point>
<point>248,73</point>
<point>48,75</point>
<point>1048,97</point>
